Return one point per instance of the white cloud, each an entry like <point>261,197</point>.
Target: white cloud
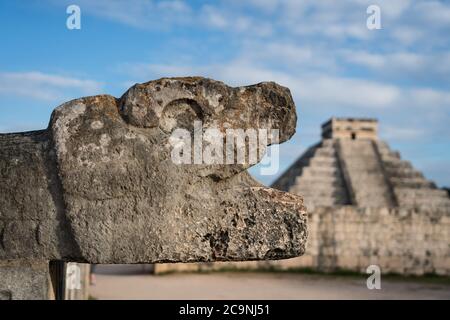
<point>350,92</point>
<point>145,14</point>
<point>402,64</point>
<point>332,63</point>
<point>266,6</point>
<point>404,21</point>
<point>395,8</point>
<point>42,86</point>
<point>215,18</point>
<point>390,133</point>
<point>314,89</point>
<point>233,21</point>
<point>403,61</point>
<point>364,58</point>
<point>430,98</point>
<point>407,35</point>
<point>435,12</point>
<point>422,111</point>
<point>175,5</point>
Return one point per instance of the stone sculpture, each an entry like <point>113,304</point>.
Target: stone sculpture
<point>98,185</point>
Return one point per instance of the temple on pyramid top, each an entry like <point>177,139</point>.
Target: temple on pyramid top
<point>352,128</point>
<point>352,166</point>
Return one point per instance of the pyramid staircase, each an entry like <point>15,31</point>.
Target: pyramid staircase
<point>364,172</point>
<point>317,176</point>
<point>411,189</point>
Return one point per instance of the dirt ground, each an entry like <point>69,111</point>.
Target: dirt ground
<point>134,282</point>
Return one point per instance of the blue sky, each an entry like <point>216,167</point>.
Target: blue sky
<point>321,50</point>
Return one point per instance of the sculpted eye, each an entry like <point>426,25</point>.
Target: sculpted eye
<point>180,114</point>
<point>139,109</point>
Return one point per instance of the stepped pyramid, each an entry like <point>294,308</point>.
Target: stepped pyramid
<point>351,166</point>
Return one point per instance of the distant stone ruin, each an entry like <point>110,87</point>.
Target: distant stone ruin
<point>351,166</point>
<point>98,186</point>
<point>366,206</point>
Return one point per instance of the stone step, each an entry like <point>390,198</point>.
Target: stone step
<point>361,165</point>
<point>432,194</point>
<point>356,153</point>
<point>397,163</point>
<point>364,172</point>
<point>323,161</point>
<point>323,202</point>
<point>372,200</point>
<point>327,143</point>
<point>382,144</point>
<point>410,182</point>
<point>405,174</point>
<point>385,150</point>
<point>321,171</point>
<point>311,189</point>
<point>419,203</point>
<point>325,152</point>
<point>330,180</point>
<point>435,202</point>
<point>324,191</point>
<point>390,158</point>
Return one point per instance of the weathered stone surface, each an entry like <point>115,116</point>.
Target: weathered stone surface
<point>99,186</point>
<point>24,280</point>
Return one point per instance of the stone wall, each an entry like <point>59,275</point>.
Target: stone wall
<point>400,241</point>
<point>25,280</point>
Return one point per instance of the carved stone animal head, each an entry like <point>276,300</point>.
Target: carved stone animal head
<point>125,200</point>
